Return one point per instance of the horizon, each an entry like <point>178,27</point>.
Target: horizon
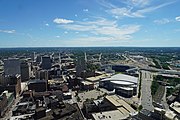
<point>93,47</point>
<point>85,23</point>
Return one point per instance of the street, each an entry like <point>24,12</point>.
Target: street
<point>146,97</point>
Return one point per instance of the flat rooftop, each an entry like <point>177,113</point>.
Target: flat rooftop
<point>87,83</point>
<point>109,115</point>
<point>176,106</point>
<point>96,78</point>
<point>120,103</point>
<point>37,81</point>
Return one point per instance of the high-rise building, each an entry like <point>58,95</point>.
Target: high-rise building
<point>38,58</point>
<point>12,66</point>
<point>34,56</point>
<point>25,71</point>
<point>12,83</point>
<point>42,75</point>
<point>46,62</point>
<point>80,66</point>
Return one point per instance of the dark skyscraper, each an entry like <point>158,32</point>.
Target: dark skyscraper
<point>12,66</point>
<point>80,66</point>
<point>25,71</point>
<point>46,62</point>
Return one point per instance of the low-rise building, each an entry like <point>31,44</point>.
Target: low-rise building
<point>6,99</point>
<point>37,85</point>
<point>109,115</point>
<point>176,108</point>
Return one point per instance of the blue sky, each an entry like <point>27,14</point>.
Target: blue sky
<point>76,23</point>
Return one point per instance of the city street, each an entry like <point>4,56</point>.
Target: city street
<point>146,97</point>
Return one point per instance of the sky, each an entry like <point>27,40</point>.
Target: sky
<point>87,23</point>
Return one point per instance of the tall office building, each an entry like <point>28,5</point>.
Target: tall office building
<point>80,66</point>
<point>46,62</point>
<point>34,57</point>
<point>12,83</point>
<point>42,75</point>
<point>12,66</point>
<point>25,71</point>
<point>38,58</point>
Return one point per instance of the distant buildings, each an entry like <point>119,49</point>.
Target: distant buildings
<point>121,68</point>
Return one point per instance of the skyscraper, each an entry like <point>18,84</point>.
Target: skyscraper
<point>12,66</point>
<point>25,71</point>
<point>80,66</point>
<point>46,62</point>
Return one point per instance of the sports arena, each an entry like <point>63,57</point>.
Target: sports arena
<point>124,85</point>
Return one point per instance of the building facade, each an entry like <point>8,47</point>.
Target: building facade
<point>25,71</point>
<point>12,66</point>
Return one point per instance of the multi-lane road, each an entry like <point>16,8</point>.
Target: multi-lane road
<point>146,97</point>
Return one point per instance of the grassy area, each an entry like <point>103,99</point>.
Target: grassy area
<point>154,87</point>
<point>157,65</point>
<point>169,91</point>
<point>165,66</point>
<point>172,82</point>
<point>159,94</point>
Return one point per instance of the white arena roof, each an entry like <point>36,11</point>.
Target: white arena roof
<point>124,79</point>
<point>122,82</point>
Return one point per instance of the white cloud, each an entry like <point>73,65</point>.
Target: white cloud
<point>132,9</point>
<point>85,10</point>
<point>46,24</point>
<point>105,28</point>
<point>85,19</point>
<point>78,27</point>
<point>62,21</point>
<point>162,21</point>
<point>178,18</point>
<point>121,12</point>
<point>65,32</point>
<point>141,12</point>
<point>138,3</point>
<point>8,31</point>
<point>57,36</point>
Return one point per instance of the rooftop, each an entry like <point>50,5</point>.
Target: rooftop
<point>122,77</point>
<point>96,78</point>
<point>109,115</point>
<point>122,82</point>
<point>116,101</point>
<point>87,83</point>
<point>37,81</point>
<point>176,106</point>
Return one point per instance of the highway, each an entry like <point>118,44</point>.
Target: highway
<point>146,97</point>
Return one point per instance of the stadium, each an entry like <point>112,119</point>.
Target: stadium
<point>124,85</point>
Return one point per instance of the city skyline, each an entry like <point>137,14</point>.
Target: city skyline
<point>89,23</point>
